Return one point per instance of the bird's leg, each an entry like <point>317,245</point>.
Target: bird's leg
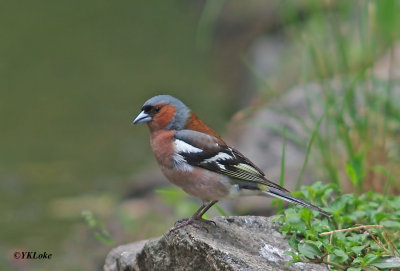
<point>204,210</point>
<point>187,221</point>
<point>196,216</point>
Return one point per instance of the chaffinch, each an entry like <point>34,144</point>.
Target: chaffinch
<point>194,157</point>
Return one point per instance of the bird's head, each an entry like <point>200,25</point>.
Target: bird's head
<point>163,112</point>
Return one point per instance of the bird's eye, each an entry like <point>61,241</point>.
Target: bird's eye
<point>157,108</point>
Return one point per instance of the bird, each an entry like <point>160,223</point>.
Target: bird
<point>194,157</point>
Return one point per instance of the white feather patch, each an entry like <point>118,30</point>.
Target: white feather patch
<point>219,156</point>
<point>180,163</point>
<point>233,153</point>
<point>182,146</point>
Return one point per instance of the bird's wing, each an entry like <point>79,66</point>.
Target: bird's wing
<point>208,152</point>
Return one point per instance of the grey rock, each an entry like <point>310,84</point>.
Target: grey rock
<point>234,243</point>
<point>124,257</point>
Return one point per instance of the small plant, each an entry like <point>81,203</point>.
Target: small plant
<point>364,233</point>
<point>97,227</point>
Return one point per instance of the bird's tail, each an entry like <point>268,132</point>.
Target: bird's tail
<point>287,197</point>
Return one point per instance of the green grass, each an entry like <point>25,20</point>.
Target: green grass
<point>353,136</point>
<point>353,118</point>
<point>362,235</point>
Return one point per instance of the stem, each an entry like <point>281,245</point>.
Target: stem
<point>353,228</point>
<point>335,265</point>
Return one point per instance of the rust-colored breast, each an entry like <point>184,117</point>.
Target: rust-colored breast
<point>161,142</point>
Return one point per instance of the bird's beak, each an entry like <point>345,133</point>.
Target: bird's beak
<point>142,118</point>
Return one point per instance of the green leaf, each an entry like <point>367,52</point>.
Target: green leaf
<point>219,209</point>
<point>349,210</point>
<point>341,254</point>
<point>351,172</point>
<point>390,224</point>
<point>103,238</point>
<point>306,215</point>
<point>341,202</point>
<point>319,226</point>
<point>369,258</point>
<point>293,243</point>
<point>395,203</point>
<point>357,260</point>
<point>355,169</point>
<point>97,227</point>
<point>387,263</point>
<point>309,250</point>
<point>318,244</point>
<point>356,237</point>
<point>358,249</point>
<point>354,269</point>
<point>292,216</point>
<point>379,216</point>
<point>295,257</point>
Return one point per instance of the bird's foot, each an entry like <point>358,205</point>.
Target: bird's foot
<point>192,221</point>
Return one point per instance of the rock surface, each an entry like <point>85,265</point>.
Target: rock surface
<point>234,243</point>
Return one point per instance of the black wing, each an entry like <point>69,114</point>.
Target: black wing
<point>205,151</point>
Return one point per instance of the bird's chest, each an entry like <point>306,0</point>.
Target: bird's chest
<point>163,147</point>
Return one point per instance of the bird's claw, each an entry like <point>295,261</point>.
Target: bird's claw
<point>208,221</point>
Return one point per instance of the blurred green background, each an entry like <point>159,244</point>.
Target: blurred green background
<point>74,74</point>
